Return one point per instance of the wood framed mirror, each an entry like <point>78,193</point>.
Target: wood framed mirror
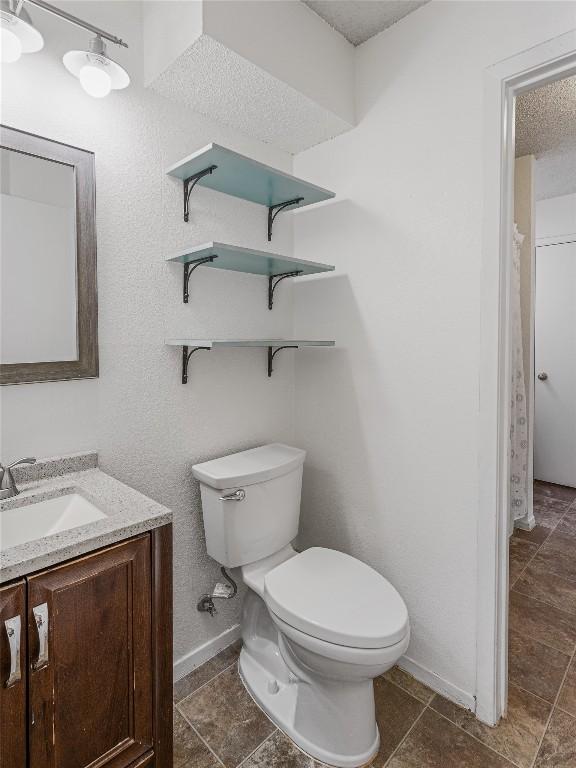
<point>48,289</point>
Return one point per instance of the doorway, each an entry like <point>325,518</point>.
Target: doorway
<point>542,557</point>
<point>504,83</point>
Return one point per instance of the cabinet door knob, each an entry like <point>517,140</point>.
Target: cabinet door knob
<point>14,631</point>
<point>543,376</point>
<point>41,618</point>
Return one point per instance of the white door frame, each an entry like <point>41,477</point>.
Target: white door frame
<point>502,82</point>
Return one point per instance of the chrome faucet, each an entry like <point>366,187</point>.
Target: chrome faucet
<point>7,485</point>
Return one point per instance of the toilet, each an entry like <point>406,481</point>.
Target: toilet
<point>317,626</point>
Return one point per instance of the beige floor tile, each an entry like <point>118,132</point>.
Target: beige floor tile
<point>549,511</point>
<point>538,582</point>
<point>517,736</point>
<point>537,535</point>
<point>535,667</point>
<point>189,751</point>
<point>280,752</point>
<point>225,716</point>
<point>206,672</point>
<point>558,748</point>
<point>396,713</point>
<point>520,554</point>
<point>436,743</point>
<point>558,555</point>
<point>553,491</point>
<point>567,699</point>
<point>568,523</point>
<point>410,684</point>
<point>542,622</point>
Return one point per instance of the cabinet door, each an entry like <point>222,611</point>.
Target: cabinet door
<point>13,676</point>
<point>90,677</point>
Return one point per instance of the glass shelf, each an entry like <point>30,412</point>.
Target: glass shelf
<point>234,174</point>
<point>215,343</point>
<point>189,346</point>
<point>237,259</point>
<point>243,177</point>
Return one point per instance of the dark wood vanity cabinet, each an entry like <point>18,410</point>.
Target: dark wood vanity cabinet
<point>95,661</point>
<point>13,746</point>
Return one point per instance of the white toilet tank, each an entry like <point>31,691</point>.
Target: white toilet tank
<point>251,502</point>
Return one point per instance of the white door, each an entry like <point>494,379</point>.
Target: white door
<point>555,364</point>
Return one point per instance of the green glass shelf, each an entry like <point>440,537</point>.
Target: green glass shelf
<point>237,259</point>
<point>217,343</point>
<point>189,346</point>
<point>243,177</point>
<point>234,174</point>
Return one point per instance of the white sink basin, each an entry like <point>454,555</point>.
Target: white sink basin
<point>34,521</point>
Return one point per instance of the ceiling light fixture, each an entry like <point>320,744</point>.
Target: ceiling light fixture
<point>98,74</point>
<point>17,33</point>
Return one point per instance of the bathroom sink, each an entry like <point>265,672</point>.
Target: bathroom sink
<point>43,518</point>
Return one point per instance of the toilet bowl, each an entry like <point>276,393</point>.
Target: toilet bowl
<point>317,626</point>
<point>331,625</point>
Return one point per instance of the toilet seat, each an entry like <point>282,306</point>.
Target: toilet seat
<point>336,598</point>
<point>344,654</point>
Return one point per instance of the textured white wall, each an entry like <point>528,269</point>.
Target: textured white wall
<point>273,70</point>
<point>150,428</point>
<point>292,44</point>
<point>390,419</point>
<point>556,216</point>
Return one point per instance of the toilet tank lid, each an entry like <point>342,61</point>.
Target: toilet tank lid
<point>248,467</point>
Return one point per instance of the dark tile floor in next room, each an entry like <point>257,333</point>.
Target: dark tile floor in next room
<point>217,724</point>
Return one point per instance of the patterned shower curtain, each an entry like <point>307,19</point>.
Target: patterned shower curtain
<point>518,421</point>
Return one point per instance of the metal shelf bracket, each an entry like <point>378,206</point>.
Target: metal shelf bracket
<point>272,354</point>
<point>186,359</point>
<point>190,183</point>
<point>189,267</point>
<point>273,281</point>
<point>274,210</point>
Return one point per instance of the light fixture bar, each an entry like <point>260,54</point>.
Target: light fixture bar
<point>79,23</point>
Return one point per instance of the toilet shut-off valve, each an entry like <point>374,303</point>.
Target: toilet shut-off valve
<point>220,592</point>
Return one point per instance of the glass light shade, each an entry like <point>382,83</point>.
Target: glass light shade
<point>97,73</point>
<point>95,81</point>
<point>10,46</point>
<point>18,36</point>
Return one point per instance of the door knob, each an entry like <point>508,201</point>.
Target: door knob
<point>543,376</point>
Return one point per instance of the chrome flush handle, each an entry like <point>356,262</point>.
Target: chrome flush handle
<point>238,495</point>
<point>41,618</point>
<point>14,630</point>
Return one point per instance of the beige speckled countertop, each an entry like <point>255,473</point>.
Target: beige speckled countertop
<point>128,513</point>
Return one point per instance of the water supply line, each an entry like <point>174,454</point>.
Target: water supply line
<point>220,592</point>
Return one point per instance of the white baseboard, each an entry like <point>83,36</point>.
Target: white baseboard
<point>438,684</point>
<point>185,664</point>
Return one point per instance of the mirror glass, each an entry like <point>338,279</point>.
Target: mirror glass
<point>38,282</point>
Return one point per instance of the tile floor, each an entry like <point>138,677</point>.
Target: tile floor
<point>217,724</point>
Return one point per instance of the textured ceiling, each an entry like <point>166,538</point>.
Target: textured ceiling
<point>546,118</point>
<point>359,20</point>
<point>546,128</point>
<point>215,81</point>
